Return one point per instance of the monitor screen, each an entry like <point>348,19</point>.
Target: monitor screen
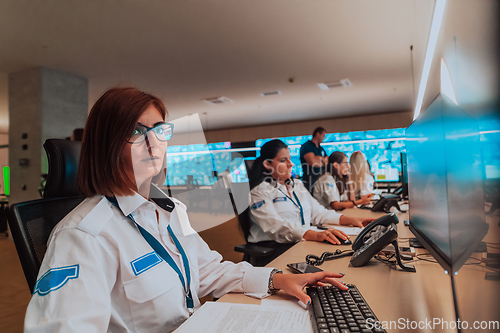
<point>446,186</point>
<point>404,176</point>
<point>382,149</point>
<point>489,130</point>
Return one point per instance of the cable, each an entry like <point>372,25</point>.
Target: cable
<point>479,261</point>
<point>387,260</point>
<point>425,259</point>
<point>483,266</point>
<point>467,263</point>
<point>492,245</point>
<point>314,260</point>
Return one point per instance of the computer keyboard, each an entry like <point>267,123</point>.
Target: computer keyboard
<point>339,311</point>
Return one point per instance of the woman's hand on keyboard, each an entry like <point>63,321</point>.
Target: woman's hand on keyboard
<point>293,284</point>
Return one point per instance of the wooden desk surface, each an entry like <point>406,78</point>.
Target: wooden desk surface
<point>395,294</point>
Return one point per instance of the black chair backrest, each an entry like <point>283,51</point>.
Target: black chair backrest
<point>244,222</point>
<point>31,223</point>
<point>63,157</point>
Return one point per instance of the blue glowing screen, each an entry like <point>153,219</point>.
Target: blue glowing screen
<point>383,148</point>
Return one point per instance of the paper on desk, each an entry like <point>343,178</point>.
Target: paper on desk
<point>248,318</point>
<point>351,231</point>
<point>284,303</point>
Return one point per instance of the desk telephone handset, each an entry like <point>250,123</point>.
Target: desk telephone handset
<point>374,237</point>
<point>385,203</point>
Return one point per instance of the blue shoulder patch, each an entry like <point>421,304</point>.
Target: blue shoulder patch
<point>257,204</point>
<point>278,199</point>
<point>330,184</point>
<point>55,278</point>
<point>147,261</point>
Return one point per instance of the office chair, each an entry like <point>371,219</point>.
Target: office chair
<point>63,157</point>
<point>261,253</point>
<point>31,222</point>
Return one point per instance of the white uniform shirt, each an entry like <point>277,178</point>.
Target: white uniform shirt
<point>100,275</point>
<point>326,191</point>
<point>366,187</point>
<point>276,215</point>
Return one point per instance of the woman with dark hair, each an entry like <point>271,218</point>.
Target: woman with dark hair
<point>121,261</point>
<point>333,189</point>
<point>282,209</point>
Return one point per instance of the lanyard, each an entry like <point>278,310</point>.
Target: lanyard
<point>298,205</point>
<point>160,250</point>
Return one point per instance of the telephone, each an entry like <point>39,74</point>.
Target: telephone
<point>374,237</point>
<point>385,203</point>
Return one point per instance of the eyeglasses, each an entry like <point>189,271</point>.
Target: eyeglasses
<point>163,132</point>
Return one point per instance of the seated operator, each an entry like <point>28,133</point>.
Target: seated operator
<point>333,190</point>
<point>282,209</point>
<point>120,261</point>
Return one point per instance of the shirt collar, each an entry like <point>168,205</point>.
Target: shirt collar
<point>130,203</point>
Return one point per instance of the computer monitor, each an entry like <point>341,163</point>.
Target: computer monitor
<point>404,176</point>
<point>446,187</point>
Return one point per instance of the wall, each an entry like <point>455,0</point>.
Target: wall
<point>468,41</point>
<point>343,124</point>
<point>43,103</point>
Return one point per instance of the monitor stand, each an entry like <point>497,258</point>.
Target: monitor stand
<point>404,267</point>
<point>415,243</point>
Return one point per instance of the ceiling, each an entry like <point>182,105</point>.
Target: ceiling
<point>187,51</point>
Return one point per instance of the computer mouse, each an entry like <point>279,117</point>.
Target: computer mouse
<point>345,242</point>
<point>342,242</point>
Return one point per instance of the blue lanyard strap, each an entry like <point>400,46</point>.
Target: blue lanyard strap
<point>162,252</point>
<point>297,204</point>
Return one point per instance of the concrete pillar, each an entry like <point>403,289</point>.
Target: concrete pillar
<point>43,104</point>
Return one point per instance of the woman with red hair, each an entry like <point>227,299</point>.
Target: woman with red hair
<point>121,261</point>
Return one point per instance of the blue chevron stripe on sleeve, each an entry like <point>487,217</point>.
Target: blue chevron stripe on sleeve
<point>55,278</point>
<point>257,204</point>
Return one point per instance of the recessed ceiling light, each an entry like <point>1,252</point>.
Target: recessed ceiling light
<point>218,100</point>
<point>270,93</point>
<point>335,84</point>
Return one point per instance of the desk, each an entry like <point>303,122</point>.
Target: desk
<point>395,294</point>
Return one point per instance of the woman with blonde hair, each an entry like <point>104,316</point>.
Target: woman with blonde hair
<point>362,179</point>
<point>334,188</point>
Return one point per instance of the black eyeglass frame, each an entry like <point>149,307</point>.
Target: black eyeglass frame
<point>148,129</point>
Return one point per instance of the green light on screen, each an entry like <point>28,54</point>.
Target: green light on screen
<point>6,179</point>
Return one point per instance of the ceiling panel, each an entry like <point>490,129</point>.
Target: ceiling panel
<point>191,50</point>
